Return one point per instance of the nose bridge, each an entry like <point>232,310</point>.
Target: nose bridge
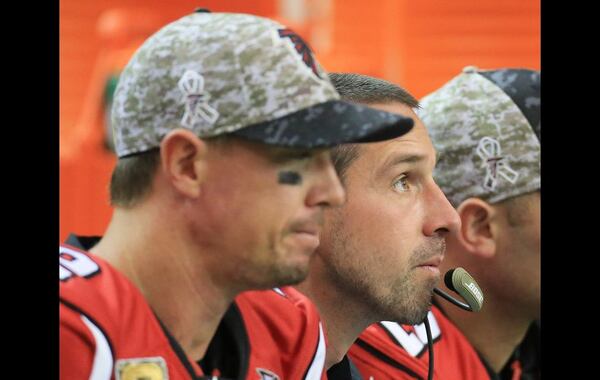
<point>327,189</point>
<point>441,214</point>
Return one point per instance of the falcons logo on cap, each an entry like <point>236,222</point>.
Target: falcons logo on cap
<point>302,49</point>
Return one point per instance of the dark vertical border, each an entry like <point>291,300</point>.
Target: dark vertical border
<point>46,15</point>
<point>569,218</point>
<point>29,123</point>
<point>50,22</point>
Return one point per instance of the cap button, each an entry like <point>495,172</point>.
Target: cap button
<point>201,10</point>
<point>470,69</point>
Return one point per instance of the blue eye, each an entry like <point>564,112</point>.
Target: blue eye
<point>401,183</point>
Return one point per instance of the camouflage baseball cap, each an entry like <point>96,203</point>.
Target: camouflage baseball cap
<point>226,73</point>
<point>485,126</point>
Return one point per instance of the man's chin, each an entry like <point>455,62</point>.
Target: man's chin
<point>291,275</point>
<point>416,312</point>
<point>414,316</point>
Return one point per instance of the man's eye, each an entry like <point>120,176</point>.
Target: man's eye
<point>401,183</point>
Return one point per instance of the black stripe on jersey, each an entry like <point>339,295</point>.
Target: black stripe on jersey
<point>94,321</point>
<point>393,338</point>
<point>344,370</point>
<point>314,353</point>
<point>229,349</point>
<point>425,349</point>
<point>179,352</point>
<point>386,359</point>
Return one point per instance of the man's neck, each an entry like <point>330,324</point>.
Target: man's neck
<point>494,331</point>
<point>179,288</point>
<point>342,318</point>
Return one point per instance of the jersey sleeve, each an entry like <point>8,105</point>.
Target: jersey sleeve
<point>84,350</point>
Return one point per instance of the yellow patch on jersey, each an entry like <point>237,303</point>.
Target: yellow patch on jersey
<point>154,368</point>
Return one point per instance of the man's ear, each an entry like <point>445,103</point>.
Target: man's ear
<point>183,158</point>
<point>478,232</point>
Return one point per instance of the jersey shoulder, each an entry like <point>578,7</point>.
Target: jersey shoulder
<point>378,353</point>
<point>404,348</point>
<point>280,309</point>
<point>285,332</point>
<point>458,356</point>
<point>92,286</point>
<point>106,325</point>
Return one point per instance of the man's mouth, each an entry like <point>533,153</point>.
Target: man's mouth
<point>433,262</point>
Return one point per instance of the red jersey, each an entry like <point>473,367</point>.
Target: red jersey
<point>108,330</point>
<point>389,350</point>
<point>277,334</point>
<point>265,335</point>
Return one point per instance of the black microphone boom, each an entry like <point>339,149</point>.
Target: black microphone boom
<point>451,299</point>
<point>460,281</point>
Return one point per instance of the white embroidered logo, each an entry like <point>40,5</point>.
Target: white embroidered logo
<point>191,85</point>
<point>491,154</point>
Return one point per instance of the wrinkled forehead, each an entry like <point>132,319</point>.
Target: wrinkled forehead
<point>414,143</point>
<point>412,149</point>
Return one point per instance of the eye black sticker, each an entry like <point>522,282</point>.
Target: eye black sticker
<point>289,178</point>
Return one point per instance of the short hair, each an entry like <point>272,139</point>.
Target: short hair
<point>360,88</point>
<point>132,177</point>
<point>363,89</point>
<point>518,208</point>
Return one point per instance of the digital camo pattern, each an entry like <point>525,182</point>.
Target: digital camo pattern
<point>523,87</point>
<point>249,74</point>
<point>486,147</point>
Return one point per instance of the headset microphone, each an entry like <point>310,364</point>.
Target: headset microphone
<point>460,281</point>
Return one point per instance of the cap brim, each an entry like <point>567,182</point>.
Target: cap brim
<point>328,124</point>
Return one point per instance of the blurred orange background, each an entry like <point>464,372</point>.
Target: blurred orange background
<point>417,44</point>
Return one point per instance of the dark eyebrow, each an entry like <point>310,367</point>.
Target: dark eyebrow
<point>400,159</point>
<point>403,159</point>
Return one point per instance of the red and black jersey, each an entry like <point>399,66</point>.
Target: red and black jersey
<point>344,370</point>
<point>269,335</point>
<point>108,330</point>
<point>389,350</point>
<point>265,335</point>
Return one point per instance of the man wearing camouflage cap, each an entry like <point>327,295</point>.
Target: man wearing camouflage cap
<point>486,127</point>
<point>222,125</point>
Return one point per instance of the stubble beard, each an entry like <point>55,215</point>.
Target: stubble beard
<point>283,273</point>
<point>406,300</point>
